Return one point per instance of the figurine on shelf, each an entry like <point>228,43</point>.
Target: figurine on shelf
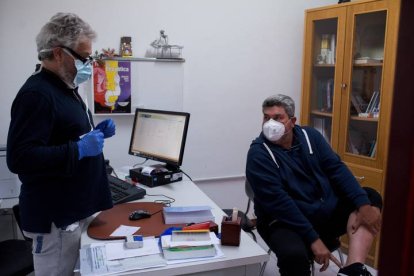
<point>163,49</point>
<point>108,52</point>
<point>160,42</point>
<point>126,46</point>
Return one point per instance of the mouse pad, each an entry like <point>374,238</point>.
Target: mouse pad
<point>107,221</point>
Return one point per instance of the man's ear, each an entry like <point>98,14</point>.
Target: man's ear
<point>58,54</point>
<point>293,119</point>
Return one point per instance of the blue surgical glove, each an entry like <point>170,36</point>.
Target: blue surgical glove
<point>91,144</point>
<point>107,127</point>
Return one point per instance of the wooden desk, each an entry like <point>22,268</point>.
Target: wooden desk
<point>238,261</point>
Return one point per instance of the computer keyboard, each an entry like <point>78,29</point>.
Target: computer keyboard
<point>122,191</point>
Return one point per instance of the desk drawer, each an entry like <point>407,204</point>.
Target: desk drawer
<point>368,177</point>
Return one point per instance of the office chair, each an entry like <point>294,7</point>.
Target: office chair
<point>249,225</point>
<point>16,255</point>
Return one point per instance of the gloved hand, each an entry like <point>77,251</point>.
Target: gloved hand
<point>107,127</point>
<point>91,144</point>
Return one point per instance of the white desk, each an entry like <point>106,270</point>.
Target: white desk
<point>238,261</point>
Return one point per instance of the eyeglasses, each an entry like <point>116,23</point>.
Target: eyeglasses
<point>84,60</point>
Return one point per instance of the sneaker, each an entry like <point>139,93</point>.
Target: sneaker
<point>355,269</point>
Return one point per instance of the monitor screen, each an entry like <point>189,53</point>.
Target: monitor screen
<point>159,135</point>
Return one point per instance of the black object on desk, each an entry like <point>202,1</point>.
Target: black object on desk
<point>123,191</point>
<point>172,174</point>
<point>139,214</point>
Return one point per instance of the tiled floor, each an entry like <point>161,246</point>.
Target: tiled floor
<point>272,269</point>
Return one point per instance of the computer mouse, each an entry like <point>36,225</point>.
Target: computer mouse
<point>139,214</point>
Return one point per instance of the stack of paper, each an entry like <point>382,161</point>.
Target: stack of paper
<point>95,260</point>
<point>188,214</point>
<point>189,244</point>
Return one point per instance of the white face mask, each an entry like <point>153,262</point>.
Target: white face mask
<point>273,130</point>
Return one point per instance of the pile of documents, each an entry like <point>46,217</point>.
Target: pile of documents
<point>113,257</point>
<point>187,214</point>
<point>187,244</point>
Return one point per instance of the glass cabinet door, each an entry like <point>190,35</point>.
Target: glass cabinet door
<point>365,85</point>
<point>323,75</point>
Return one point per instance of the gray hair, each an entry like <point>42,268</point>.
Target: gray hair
<point>281,100</point>
<point>63,29</point>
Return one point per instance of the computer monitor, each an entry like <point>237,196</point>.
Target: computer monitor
<point>159,135</point>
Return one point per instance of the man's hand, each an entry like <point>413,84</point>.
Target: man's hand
<point>368,216</point>
<point>107,127</point>
<point>323,255</point>
<point>91,144</point>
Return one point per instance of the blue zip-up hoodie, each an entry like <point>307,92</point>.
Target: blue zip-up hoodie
<point>300,195</point>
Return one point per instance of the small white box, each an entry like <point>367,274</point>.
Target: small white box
<point>134,241</point>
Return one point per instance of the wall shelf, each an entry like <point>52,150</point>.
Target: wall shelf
<point>145,59</point>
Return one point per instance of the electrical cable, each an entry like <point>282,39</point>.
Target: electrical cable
<point>166,202</point>
<point>187,175</point>
<point>140,163</point>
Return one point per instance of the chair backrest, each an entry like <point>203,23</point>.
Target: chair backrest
<point>250,194</point>
<point>248,189</point>
<point>16,213</point>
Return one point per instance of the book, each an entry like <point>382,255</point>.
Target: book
<point>187,214</point>
<point>329,94</point>
<point>355,104</point>
<point>372,102</point>
<point>189,244</point>
<point>179,237</point>
<point>324,48</point>
<point>332,50</point>
<point>325,93</point>
<point>373,149</point>
<point>189,252</point>
<point>322,126</point>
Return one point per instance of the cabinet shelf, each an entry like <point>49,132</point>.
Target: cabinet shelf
<point>372,64</point>
<point>365,119</point>
<point>324,65</point>
<point>321,113</point>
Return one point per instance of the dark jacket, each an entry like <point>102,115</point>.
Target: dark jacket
<point>302,189</point>
<point>47,119</point>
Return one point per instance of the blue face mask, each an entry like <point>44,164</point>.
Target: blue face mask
<point>84,72</point>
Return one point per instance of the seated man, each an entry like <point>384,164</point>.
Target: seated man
<point>306,197</point>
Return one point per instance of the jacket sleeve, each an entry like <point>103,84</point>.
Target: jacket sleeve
<point>264,177</point>
<point>28,148</point>
<point>338,173</point>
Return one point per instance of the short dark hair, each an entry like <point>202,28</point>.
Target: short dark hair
<point>280,100</point>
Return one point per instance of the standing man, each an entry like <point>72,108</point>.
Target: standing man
<point>55,149</point>
<point>305,196</point>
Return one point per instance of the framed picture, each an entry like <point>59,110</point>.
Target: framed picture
<point>111,86</point>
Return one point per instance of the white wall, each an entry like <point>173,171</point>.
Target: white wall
<point>237,53</point>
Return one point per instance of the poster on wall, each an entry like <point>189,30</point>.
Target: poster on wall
<point>112,86</point>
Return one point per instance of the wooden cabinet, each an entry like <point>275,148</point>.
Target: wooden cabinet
<point>347,88</point>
